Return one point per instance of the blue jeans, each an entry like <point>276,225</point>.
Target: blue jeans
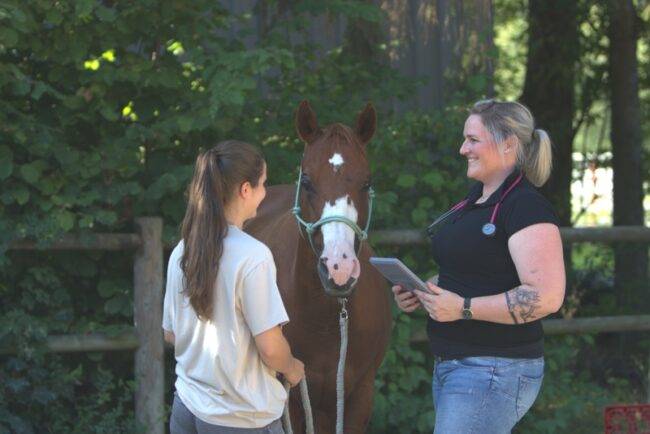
<point>484,395</point>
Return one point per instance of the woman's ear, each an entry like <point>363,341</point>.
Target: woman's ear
<point>245,190</point>
<point>510,145</point>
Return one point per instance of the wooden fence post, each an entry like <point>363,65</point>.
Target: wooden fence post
<point>647,384</point>
<point>147,316</point>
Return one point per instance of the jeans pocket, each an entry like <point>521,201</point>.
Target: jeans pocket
<point>527,392</point>
<point>484,363</point>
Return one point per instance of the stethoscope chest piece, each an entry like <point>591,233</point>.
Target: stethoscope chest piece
<point>489,229</point>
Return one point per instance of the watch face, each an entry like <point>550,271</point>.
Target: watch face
<point>467,314</point>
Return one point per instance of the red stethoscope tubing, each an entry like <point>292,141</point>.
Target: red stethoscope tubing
<point>489,228</point>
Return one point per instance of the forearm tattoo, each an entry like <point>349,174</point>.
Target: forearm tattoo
<point>522,304</point>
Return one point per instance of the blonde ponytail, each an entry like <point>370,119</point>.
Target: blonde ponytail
<point>537,160</point>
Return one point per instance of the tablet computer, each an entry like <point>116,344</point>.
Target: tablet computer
<point>398,274</point>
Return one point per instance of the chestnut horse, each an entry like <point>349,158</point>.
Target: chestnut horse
<point>334,181</point>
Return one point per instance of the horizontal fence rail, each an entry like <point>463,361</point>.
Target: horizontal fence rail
<point>128,341</point>
<point>82,242</point>
<point>79,343</point>
<point>627,234</point>
<point>395,237</point>
<point>576,326</point>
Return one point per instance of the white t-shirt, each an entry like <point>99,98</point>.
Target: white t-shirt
<point>222,379</point>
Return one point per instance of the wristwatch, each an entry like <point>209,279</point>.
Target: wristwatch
<point>467,311</point>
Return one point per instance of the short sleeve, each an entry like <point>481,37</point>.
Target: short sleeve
<point>261,302</point>
<point>526,210</point>
<point>173,285</point>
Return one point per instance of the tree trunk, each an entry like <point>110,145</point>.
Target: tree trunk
<point>362,39</point>
<point>549,89</point>
<point>630,260</point>
<point>448,43</point>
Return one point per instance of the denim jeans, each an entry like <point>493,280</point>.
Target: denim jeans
<point>484,395</point>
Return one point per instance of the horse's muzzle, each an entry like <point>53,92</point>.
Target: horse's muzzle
<point>330,287</point>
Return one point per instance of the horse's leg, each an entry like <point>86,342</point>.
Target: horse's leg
<point>323,404</point>
<point>324,422</point>
<point>358,405</point>
<point>296,411</point>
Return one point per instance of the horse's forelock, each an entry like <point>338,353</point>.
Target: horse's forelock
<point>341,135</point>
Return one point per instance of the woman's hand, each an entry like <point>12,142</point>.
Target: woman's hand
<point>406,300</point>
<point>442,305</point>
<point>296,374</point>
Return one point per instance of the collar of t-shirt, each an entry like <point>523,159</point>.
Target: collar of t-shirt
<point>476,191</point>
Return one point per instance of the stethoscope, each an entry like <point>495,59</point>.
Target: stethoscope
<point>489,228</point>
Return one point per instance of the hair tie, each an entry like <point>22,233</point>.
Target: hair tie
<point>217,158</point>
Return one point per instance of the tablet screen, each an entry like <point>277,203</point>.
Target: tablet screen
<point>398,274</point>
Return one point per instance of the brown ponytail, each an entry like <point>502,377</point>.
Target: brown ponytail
<point>218,173</point>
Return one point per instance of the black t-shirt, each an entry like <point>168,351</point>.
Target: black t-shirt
<point>474,265</point>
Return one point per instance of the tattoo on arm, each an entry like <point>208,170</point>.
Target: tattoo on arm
<point>522,303</point>
<point>511,308</point>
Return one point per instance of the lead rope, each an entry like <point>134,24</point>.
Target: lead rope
<point>340,372</point>
<point>306,405</point>
<point>340,383</point>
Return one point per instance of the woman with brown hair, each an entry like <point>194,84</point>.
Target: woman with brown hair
<point>223,311</point>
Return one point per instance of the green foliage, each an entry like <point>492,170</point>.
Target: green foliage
<point>417,170</point>
<point>511,39</point>
<point>571,399</point>
<point>403,400</point>
<point>98,102</point>
<point>103,109</point>
<point>66,393</point>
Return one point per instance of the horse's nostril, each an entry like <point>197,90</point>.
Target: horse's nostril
<point>336,266</point>
<point>345,256</point>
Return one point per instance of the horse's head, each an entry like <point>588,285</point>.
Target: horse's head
<point>335,182</point>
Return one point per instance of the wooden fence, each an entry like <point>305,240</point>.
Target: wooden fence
<point>146,337</point>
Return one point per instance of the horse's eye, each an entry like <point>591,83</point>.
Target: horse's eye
<point>366,186</point>
<point>306,183</point>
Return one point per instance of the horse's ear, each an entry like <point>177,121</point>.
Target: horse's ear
<point>306,123</point>
<point>366,123</point>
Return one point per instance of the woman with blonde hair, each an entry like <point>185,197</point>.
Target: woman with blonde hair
<point>501,271</point>
<point>223,311</point>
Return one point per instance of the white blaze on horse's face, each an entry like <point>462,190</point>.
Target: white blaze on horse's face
<point>336,161</point>
<point>338,242</point>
